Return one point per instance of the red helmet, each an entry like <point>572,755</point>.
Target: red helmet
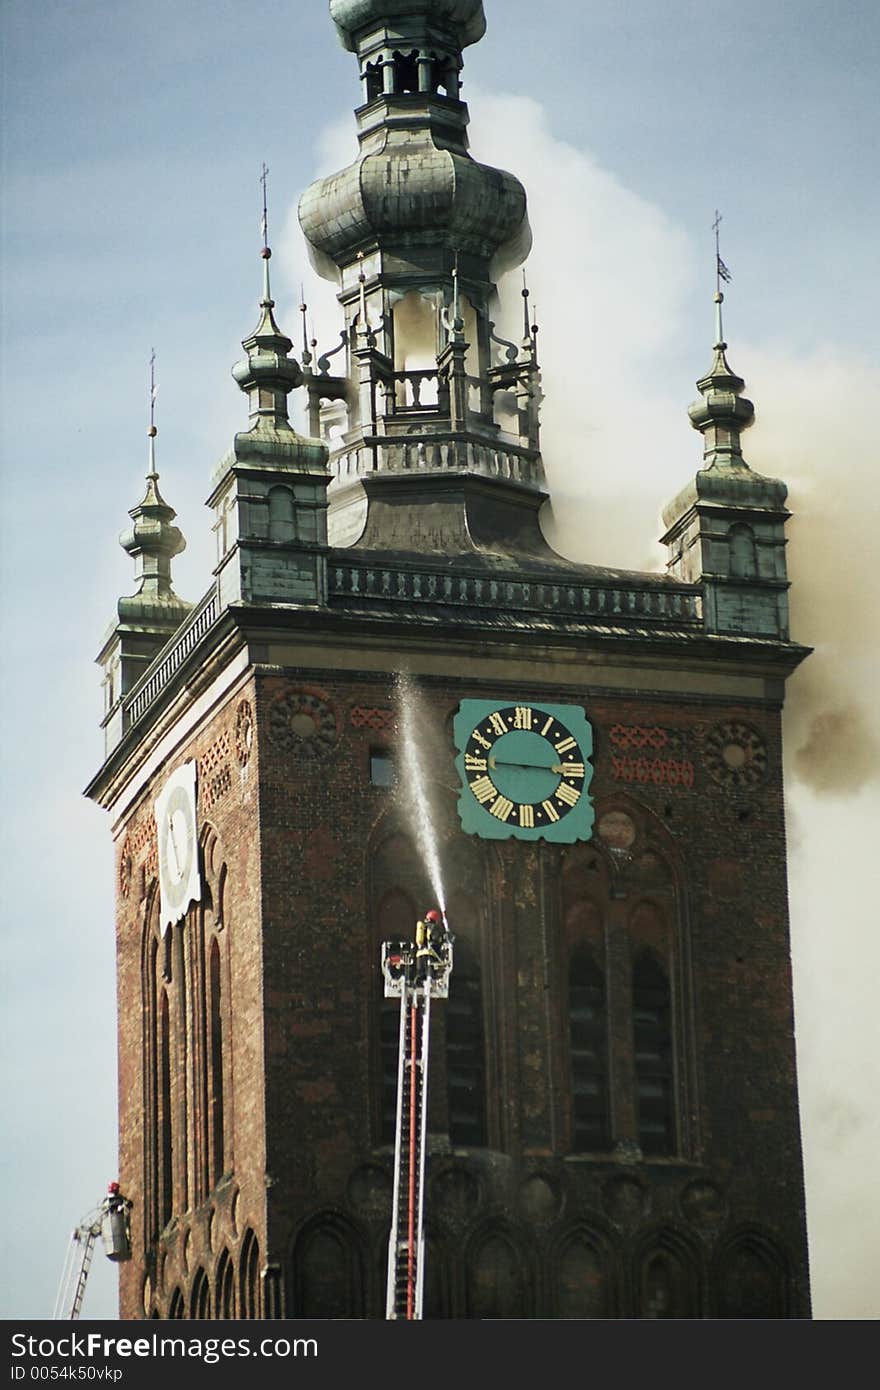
<point>432,915</point>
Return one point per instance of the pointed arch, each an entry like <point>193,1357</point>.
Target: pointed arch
<point>224,1287</point>
<point>328,1269</point>
<point>200,1296</point>
<point>249,1301</point>
<point>582,1274</point>
<point>668,1276</point>
<point>752,1277</point>
<point>497,1279</point>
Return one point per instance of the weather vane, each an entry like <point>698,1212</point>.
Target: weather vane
<point>721,271</point>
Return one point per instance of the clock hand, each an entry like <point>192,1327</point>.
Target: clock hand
<point>531,767</point>
<point>174,847</point>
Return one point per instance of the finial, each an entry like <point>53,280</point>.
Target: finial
<point>304,309</point>
<point>723,412</point>
<point>721,273</point>
<point>362,290</point>
<point>264,232</point>
<point>527,333</point>
<point>152,431</point>
<point>453,322</point>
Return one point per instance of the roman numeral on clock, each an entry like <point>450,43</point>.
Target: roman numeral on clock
<point>483,788</point>
<point>570,795</point>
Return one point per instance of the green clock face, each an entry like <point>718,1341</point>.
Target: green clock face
<point>524,771</point>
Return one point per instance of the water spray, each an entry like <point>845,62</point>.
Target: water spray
<point>412,718</point>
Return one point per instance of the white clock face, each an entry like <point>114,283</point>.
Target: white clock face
<point>179,880</point>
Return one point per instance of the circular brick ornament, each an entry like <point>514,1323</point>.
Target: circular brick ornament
<point>736,755</point>
<point>244,732</point>
<point>302,724</point>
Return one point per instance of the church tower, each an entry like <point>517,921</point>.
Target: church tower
<point>388,642</point>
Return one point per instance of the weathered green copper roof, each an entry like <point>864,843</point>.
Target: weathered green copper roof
<point>464,17</point>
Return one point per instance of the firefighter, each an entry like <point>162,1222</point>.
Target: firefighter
<point>431,940</point>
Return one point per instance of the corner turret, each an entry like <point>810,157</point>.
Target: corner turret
<point>726,529</point>
<point>147,618</point>
<point>270,491</point>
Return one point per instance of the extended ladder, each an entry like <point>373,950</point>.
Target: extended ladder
<point>110,1221</point>
<point>406,1246</point>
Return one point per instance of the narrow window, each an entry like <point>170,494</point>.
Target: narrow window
<point>200,1299</point>
<point>588,1051</point>
<point>249,1299</point>
<point>164,1108</point>
<point>281,514</point>
<point>216,1081</point>
<point>225,1299</point>
<point>373,76</point>
<point>743,559</point>
<point>652,1032</point>
<point>406,72</point>
<point>465,1054</point>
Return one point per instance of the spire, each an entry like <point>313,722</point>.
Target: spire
<point>726,528</point>
<point>268,374</point>
<point>152,540</point>
<point>724,412</point>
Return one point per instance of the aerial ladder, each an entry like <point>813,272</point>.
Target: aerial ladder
<point>415,972</point>
<point>110,1221</point>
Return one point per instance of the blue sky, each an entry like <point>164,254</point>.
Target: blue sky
<point>133,137</point>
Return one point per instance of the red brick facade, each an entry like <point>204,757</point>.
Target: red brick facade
<point>252,1140</point>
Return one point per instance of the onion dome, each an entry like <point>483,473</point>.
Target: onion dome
<point>267,375</point>
<point>416,196</point>
<point>465,18</point>
<point>152,541</point>
<point>723,412</point>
